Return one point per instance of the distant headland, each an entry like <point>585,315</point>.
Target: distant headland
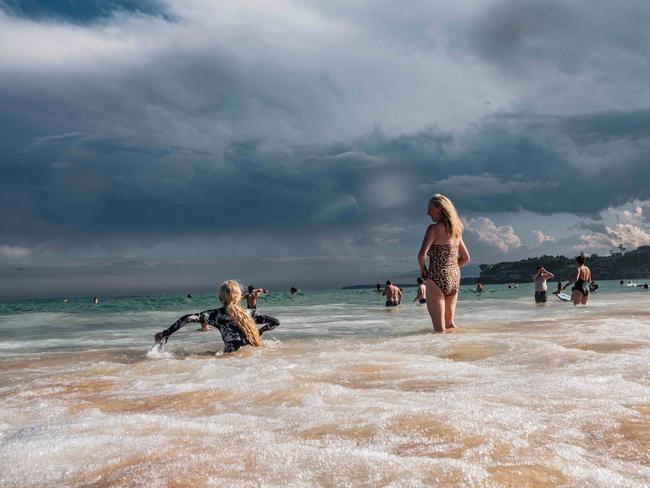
<point>629,265</point>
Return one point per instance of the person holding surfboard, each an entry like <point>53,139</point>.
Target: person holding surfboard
<point>582,278</point>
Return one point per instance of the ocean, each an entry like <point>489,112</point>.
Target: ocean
<point>344,393</point>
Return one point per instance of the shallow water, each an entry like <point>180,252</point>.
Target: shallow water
<point>343,393</point>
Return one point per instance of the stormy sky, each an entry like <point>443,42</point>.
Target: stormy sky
<point>153,146</point>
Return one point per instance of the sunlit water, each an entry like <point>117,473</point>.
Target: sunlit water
<point>344,393</point>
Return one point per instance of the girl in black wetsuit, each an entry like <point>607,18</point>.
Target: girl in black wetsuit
<point>237,326</point>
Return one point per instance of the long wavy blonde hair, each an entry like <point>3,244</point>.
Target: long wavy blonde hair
<point>230,296</point>
<point>449,215</point>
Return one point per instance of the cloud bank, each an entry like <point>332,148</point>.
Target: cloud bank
<point>129,127</point>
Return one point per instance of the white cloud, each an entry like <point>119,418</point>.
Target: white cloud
<point>14,251</point>
<point>503,237</point>
<point>631,236</point>
<point>635,216</point>
<point>541,238</point>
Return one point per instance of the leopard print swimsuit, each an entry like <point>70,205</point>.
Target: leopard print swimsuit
<point>443,267</point>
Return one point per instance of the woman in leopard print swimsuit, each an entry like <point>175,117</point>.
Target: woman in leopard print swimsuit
<point>443,268</point>
<point>443,243</point>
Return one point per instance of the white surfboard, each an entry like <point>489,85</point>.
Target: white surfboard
<point>564,297</point>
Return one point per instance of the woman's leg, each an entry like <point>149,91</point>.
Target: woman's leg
<point>576,297</point>
<point>436,306</point>
<point>450,310</point>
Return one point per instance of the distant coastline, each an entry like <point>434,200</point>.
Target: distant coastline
<point>630,265</point>
<point>617,266</point>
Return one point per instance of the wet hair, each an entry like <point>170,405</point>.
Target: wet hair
<point>230,295</point>
<point>388,282</point>
<point>580,260</point>
<point>538,268</point>
<point>250,288</point>
<point>449,215</point>
<point>419,281</point>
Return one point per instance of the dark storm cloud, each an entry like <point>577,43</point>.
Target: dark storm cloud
<point>573,37</point>
<point>79,12</point>
<point>114,185</point>
<point>261,121</point>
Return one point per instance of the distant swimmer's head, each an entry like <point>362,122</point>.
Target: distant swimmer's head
<point>441,209</point>
<point>580,260</point>
<point>230,295</point>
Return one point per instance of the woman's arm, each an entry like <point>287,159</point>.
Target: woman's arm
<point>429,237</point>
<point>575,278</point>
<point>182,322</point>
<point>463,254</point>
<point>548,275</point>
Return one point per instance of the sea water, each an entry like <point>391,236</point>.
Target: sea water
<point>346,392</point>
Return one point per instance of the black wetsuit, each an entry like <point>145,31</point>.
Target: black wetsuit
<point>582,286</point>
<point>232,337</point>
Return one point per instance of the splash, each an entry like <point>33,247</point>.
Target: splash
<point>158,351</point>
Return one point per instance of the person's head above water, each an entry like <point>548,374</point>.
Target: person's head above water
<point>251,288</point>
<point>441,209</point>
<point>230,295</point>
<point>580,260</point>
<point>419,281</point>
<point>388,282</point>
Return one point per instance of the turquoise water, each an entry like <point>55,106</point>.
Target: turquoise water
<point>117,304</point>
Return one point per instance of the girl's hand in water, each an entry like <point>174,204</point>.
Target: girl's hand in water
<point>158,337</point>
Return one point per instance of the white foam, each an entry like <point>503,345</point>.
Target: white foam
<point>365,398</point>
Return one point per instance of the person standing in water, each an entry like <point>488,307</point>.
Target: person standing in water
<point>443,243</point>
<point>251,296</point>
<point>393,294</point>
<point>422,292</point>
<point>238,327</point>
<point>540,283</point>
<point>582,278</point>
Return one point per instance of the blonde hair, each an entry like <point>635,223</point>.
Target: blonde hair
<point>230,296</point>
<point>449,215</point>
